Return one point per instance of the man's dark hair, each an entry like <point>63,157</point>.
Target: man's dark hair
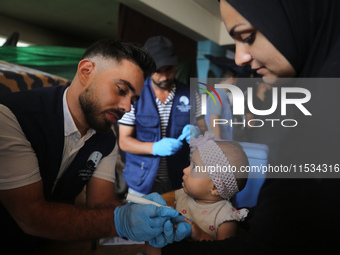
<point>118,51</point>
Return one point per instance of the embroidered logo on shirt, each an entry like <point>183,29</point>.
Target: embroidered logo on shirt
<point>93,160</point>
<point>91,164</point>
<point>184,104</point>
<point>184,211</point>
<point>85,174</point>
<point>204,212</point>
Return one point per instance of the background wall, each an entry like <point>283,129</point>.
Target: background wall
<point>136,27</point>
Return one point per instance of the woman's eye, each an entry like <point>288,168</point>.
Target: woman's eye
<point>250,39</point>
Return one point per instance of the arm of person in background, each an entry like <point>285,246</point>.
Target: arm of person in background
<point>215,128</point>
<point>215,111</point>
<point>249,116</point>
<point>200,122</point>
<point>128,142</point>
<point>258,102</point>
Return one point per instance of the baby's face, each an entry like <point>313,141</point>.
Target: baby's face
<point>197,183</point>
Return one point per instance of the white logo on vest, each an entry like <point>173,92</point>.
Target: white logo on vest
<point>184,104</point>
<point>91,164</point>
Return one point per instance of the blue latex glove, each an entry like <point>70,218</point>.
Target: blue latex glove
<point>166,146</point>
<point>169,236</point>
<point>188,132</point>
<point>183,231</point>
<point>180,218</point>
<point>164,238</point>
<point>142,222</point>
<point>183,228</point>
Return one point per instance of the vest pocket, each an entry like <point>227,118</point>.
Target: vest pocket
<point>137,169</point>
<point>147,127</point>
<point>147,121</point>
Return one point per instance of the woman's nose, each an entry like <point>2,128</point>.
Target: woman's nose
<point>242,56</point>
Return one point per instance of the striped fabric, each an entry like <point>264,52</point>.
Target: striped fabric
<point>164,111</point>
<point>198,105</point>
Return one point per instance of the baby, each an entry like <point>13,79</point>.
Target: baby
<point>209,183</point>
<point>211,180</point>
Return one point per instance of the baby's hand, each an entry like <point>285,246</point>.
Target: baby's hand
<point>196,231</point>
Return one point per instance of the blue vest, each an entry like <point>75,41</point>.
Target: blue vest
<point>40,115</point>
<point>141,170</point>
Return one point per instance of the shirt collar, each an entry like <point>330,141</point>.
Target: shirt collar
<point>69,125</point>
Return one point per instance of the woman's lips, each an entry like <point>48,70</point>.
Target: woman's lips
<point>260,70</point>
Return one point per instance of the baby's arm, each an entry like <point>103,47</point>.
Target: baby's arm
<point>197,234</point>
<point>226,230</point>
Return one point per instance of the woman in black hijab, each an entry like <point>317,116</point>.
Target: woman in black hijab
<point>285,39</point>
<point>305,32</point>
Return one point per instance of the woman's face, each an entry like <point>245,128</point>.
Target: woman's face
<point>253,48</point>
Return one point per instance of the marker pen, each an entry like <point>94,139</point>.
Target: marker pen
<point>140,200</point>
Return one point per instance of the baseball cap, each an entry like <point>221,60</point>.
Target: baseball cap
<point>161,50</point>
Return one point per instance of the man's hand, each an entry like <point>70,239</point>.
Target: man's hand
<point>188,132</point>
<point>175,230</point>
<point>144,222</point>
<point>166,147</point>
<point>183,228</point>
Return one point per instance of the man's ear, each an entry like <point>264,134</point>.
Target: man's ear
<point>214,191</point>
<point>85,68</point>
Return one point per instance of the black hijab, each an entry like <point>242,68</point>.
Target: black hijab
<point>306,32</point>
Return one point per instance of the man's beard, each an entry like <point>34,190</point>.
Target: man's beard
<point>90,107</point>
<point>165,84</point>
